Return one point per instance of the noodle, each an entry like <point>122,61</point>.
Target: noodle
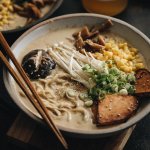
<point>53,92</point>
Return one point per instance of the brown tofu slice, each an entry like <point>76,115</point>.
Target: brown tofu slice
<point>115,109</point>
<point>142,85</point>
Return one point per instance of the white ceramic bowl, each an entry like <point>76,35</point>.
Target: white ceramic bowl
<point>130,33</point>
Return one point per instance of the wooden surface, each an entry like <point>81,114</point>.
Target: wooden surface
<point>26,133</point>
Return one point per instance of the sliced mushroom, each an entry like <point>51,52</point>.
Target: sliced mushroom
<point>92,47</point>
<point>93,34</point>
<point>17,7</point>
<point>79,42</point>
<point>29,20</point>
<point>101,40</point>
<point>38,3</point>
<point>91,40</point>
<point>33,10</point>
<point>103,26</point>
<point>23,13</point>
<point>85,32</point>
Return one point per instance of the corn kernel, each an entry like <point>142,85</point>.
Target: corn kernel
<point>5,17</point>
<point>132,53</point>
<point>127,69</point>
<point>130,57</point>
<point>1,7</point>
<point>109,54</point>
<point>108,46</point>
<point>137,56</point>
<point>3,12</point>
<point>121,55</point>
<point>115,51</point>
<point>121,62</point>
<point>10,8</point>
<point>100,57</point>
<point>130,63</point>
<point>139,65</point>
<point>120,45</point>
<point>125,48</point>
<point>1,23</point>
<point>116,58</point>
<point>125,44</point>
<point>134,50</point>
<point>139,60</point>
<point>105,58</point>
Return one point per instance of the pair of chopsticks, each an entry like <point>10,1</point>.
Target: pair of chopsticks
<point>34,98</point>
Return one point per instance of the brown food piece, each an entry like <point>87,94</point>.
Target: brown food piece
<point>18,8</point>
<point>79,42</point>
<point>142,84</point>
<point>85,32</point>
<point>115,109</point>
<point>91,41</point>
<point>93,34</point>
<point>103,26</point>
<point>29,20</point>
<point>38,3</point>
<point>82,51</point>
<point>33,10</point>
<point>92,47</point>
<point>23,13</point>
<point>101,40</point>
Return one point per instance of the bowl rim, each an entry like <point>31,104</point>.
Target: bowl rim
<point>55,6</point>
<point>96,132</point>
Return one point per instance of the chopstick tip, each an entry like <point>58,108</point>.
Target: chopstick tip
<point>66,146</point>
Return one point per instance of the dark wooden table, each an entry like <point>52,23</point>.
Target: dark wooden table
<point>137,14</point>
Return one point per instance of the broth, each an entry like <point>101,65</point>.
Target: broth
<point>65,111</point>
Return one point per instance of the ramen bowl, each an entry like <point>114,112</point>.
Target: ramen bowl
<point>59,27</point>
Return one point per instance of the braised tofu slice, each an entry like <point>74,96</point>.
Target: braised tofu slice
<point>116,109</point>
<point>142,85</point>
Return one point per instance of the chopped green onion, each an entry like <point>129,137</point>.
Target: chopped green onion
<point>114,71</point>
<point>71,93</point>
<point>131,90</point>
<point>114,88</point>
<point>88,103</point>
<point>83,96</point>
<point>131,78</point>
<point>115,81</point>
<point>123,92</point>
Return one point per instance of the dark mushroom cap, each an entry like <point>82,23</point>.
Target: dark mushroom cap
<point>38,64</point>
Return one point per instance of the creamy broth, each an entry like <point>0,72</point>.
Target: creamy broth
<point>65,111</point>
<point>76,115</point>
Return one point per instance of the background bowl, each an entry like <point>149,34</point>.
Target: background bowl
<point>54,7</point>
<point>130,33</point>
